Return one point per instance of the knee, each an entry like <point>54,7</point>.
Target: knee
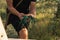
<point>23,33</point>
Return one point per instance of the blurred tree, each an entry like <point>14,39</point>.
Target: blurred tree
<point>57,14</point>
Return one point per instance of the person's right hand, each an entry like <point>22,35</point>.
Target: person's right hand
<point>21,16</point>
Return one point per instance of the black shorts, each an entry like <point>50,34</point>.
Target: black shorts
<point>14,20</point>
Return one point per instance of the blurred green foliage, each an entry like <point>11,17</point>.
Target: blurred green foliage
<point>46,26</point>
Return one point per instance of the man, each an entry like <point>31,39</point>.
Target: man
<point>26,8</point>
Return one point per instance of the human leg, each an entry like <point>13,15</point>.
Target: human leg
<point>23,33</point>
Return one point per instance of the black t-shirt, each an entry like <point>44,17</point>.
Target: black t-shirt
<point>23,6</point>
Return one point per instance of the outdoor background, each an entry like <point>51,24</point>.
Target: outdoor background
<point>47,25</point>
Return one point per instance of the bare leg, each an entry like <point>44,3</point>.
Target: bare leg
<point>23,34</point>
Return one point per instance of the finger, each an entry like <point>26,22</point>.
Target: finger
<point>21,18</point>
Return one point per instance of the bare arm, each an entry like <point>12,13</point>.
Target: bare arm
<point>32,9</point>
<point>12,9</point>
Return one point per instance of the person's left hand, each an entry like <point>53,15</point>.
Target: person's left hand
<point>34,16</point>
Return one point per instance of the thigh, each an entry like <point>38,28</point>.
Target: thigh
<point>16,24</point>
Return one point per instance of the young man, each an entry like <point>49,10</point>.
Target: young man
<point>25,8</point>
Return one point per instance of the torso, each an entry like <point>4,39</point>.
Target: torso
<point>23,7</point>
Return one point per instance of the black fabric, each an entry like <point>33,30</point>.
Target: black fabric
<point>16,23</point>
<point>33,0</point>
<point>24,8</point>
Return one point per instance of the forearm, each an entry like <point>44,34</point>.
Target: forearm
<point>32,10</point>
<point>11,7</point>
<point>13,11</point>
<point>33,13</point>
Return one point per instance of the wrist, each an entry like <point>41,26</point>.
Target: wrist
<point>34,16</point>
<point>18,14</point>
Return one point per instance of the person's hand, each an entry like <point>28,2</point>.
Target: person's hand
<point>34,16</point>
<point>21,16</point>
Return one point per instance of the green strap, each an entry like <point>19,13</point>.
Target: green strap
<point>24,20</point>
